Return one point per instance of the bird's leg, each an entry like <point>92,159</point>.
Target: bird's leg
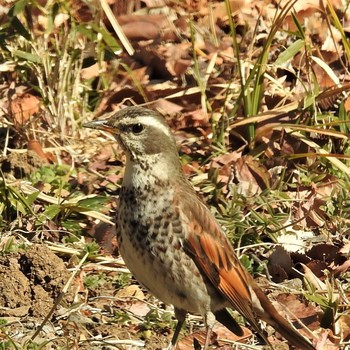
<point>209,322</point>
<point>181,317</point>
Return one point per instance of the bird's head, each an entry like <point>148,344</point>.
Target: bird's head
<point>142,133</point>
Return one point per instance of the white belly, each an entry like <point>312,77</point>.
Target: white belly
<point>173,285</point>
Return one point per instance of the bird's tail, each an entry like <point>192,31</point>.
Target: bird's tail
<point>280,324</point>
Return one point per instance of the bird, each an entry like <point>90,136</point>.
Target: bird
<point>170,240</point>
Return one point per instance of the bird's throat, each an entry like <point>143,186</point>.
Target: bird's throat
<point>146,176</point>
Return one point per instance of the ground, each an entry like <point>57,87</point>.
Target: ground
<point>30,282</point>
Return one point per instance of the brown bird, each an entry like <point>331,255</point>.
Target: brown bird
<point>170,240</point>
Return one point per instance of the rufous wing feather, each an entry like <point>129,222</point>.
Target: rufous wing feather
<point>215,257</point>
<point>213,254</point>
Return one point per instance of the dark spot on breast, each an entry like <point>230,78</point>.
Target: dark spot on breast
<point>161,248</point>
<point>153,236</point>
<point>166,224</point>
<point>181,294</point>
<point>170,239</point>
<point>133,223</point>
<point>177,227</point>
<point>161,241</point>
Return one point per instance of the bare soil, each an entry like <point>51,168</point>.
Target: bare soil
<point>30,282</point>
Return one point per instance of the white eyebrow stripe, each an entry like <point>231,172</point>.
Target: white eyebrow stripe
<point>151,121</point>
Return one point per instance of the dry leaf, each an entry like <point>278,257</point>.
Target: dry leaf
<point>280,264</point>
<point>131,291</point>
<point>47,157</point>
<point>23,107</point>
<point>252,176</point>
<point>143,27</point>
<point>219,332</point>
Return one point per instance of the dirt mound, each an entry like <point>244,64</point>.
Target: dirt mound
<point>30,282</point>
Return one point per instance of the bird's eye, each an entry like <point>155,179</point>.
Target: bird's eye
<point>137,128</point>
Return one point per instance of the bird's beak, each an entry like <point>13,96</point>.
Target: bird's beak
<point>100,125</point>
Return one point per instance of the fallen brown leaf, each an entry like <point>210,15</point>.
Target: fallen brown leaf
<point>23,107</point>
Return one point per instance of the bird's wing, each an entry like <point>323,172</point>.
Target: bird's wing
<point>213,254</point>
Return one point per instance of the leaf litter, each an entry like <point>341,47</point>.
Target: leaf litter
<point>194,80</point>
